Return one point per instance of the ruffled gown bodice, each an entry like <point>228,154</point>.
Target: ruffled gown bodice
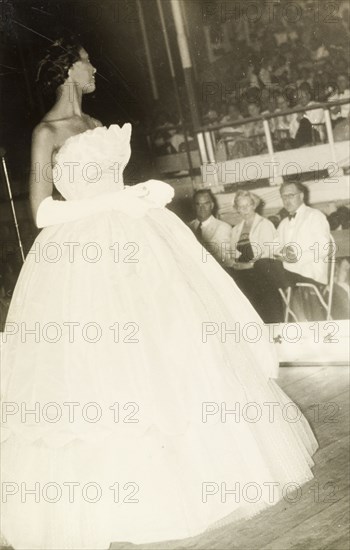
<point>92,162</point>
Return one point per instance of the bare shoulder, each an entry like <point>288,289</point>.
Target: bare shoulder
<point>43,134</point>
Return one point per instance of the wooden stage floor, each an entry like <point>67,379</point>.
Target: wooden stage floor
<point>319,519</point>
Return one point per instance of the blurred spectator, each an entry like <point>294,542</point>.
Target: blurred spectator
<point>251,128</point>
<point>161,123</point>
<point>305,76</point>
<point>161,142</point>
<point>265,73</point>
<point>177,140</point>
<point>340,112</point>
<point>281,68</point>
<point>340,219</point>
<point>267,100</point>
<point>168,136</point>
<point>281,128</point>
<point>252,77</point>
<point>305,126</point>
<point>238,141</point>
<point>233,115</point>
<point>255,130</point>
<point>320,52</point>
<point>341,131</point>
<point>211,118</point>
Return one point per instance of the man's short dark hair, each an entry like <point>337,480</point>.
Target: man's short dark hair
<point>203,192</point>
<point>297,184</point>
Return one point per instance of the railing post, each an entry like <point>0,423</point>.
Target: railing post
<point>275,179</point>
<point>202,148</point>
<point>209,143</point>
<point>330,137</point>
<point>207,154</point>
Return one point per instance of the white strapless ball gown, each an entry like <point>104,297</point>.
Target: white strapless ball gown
<point>132,378</point>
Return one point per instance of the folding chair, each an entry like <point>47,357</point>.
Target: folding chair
<point>286,296</point>
<point>325,296</point>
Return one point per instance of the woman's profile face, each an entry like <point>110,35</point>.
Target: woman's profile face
<point>82,73</point>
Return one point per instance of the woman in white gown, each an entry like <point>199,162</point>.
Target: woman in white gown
<point>137,379</point>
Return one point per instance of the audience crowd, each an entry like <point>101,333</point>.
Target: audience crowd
<point>280,65</point>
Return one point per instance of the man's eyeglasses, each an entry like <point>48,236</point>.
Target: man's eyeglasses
<point>287,196</point>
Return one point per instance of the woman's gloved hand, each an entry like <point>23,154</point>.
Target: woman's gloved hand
<point>156,192</point>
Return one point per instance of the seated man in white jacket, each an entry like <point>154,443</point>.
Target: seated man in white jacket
<point>303,238</point>
<point>302,250</point>
<point>213,234</point>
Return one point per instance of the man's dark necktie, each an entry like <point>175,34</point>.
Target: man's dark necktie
<point>199,232</point>
<point>291,216</point>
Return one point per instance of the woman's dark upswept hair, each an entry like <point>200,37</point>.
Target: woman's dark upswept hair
<point>53,68</point>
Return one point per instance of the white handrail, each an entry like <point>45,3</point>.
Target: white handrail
<point>276,177</point>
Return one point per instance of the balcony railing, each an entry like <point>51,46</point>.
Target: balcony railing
<point>217,163</point>
<point>219,169</point>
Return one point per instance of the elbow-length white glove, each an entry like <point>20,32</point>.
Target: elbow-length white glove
<point>134,201</point>
<point>52,212</point>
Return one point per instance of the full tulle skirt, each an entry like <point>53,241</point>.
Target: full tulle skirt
<point>138,395</point>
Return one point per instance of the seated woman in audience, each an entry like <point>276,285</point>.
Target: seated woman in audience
<point>251,242</point>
